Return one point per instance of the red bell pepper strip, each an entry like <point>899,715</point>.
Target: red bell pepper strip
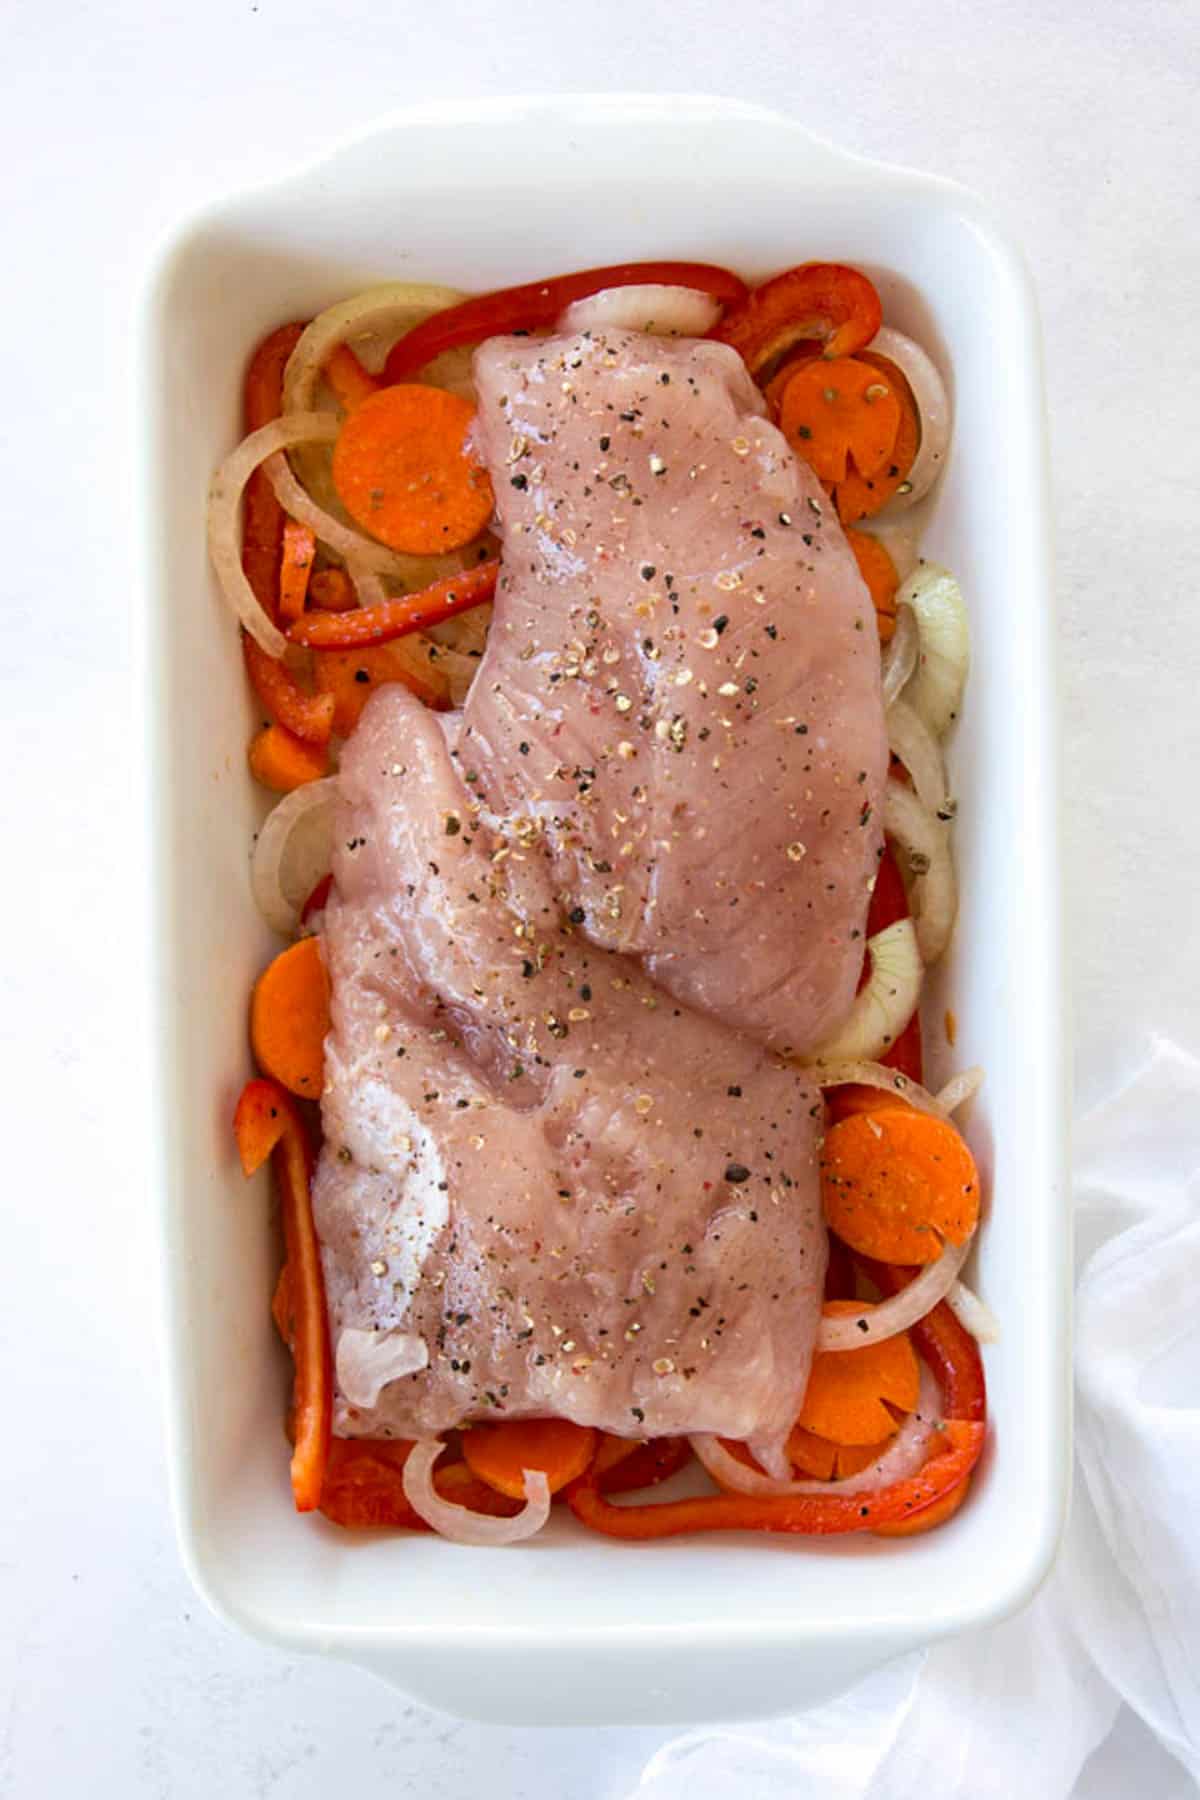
<point>391,619</point>
<point>316,900</point>
<point>268,1123</point>
<point>948,1347</point>
<point>537,304</point>
<point>262,515</point>
<point>305,715</point>
<point>813,1515</point>
<point>836,305</point>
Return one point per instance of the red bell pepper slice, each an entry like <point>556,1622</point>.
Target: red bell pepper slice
<point>267,1122</point>
<point>262,515</point>
<point>813,1515</point>
<point>649,1464</point>
<point>834,304</point>
<point>948,1347</point>
<point>391,619</point>
<point>305,715</point>
<point>537,304</point>
<point>316,900</point>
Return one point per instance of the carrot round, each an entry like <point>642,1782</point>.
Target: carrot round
<point>879,572</point>
<point>837,413</point>
<point>859,495</point>
<point>348,678</point>
<point>350,382</point>
<point>824,1460</point>
<point>895,1183</point>
<point>849,1391</point>
<point>499,1453</point>
<point>282,761</point>
<point>289,1018</point>
<point>403,471</point>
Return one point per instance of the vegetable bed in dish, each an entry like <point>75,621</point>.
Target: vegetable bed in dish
<point>412,461</point>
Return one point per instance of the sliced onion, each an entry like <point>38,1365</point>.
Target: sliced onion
<point>875,1324</point>
<point>368,585</point>
<point>900,657</point>
<point>904,1456</point>
<point>224,514</point>
<point>859,1073</point>
<point>299,504</point>
<point>394,308</point>
<point>933,410</point>
<point>936,688</point>
<point>910,739</point>
<point>973,1314</point>
<point>883,1007</point>
<point>960,1089</point>
<point>292,852</point>
<point>657,308</point>
<point>458,1522</point>
<point>926,848</point>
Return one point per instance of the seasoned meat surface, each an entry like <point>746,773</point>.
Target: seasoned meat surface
<point>575,1194</point>
<point>682,677</point>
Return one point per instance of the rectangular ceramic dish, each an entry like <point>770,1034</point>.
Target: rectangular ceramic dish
<point>576,1628</point>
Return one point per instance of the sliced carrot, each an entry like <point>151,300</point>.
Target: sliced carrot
<point>332,591</point>
<point>289,1018</point>
<point>349,380</point>
<point>308,716</point>
<point>612,1450</point>
<point>403,470</point>
<point>259,1122</point>
<point>860,494</point>
<point>458,1482</point>
<point>499,1453</point>
<point>928,1516</point>
<point>349,678</point>
<point>299,548</point>
<point>879,572</point>
<point>849,1391</point>
<point>267,1116</point>
<point>400,617</point>
<point>282,761</point>
<point>824,1460</point>
<point>895,1183</point>
<point>837,413</point>
<point>262,515</point>
<point>804,352</point>
<point>654,1461</point>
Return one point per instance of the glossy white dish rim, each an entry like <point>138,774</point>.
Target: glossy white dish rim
<point>873,1627</point>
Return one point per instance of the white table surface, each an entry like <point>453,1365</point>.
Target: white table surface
<point>1079,122</point>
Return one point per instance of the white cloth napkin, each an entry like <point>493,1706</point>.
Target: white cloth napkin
<point>1017,1710</point>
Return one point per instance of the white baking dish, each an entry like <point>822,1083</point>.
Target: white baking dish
<point>575,1628</point>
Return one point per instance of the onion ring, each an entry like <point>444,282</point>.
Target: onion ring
<point>933,411</point>
<point>876,1324</point>
<point>457,1522</point>
<point>936,688</point>
<point>661,310</point>
<point>905,1454</point>
<point>926,849</point>
<point>887,1001</point>
<point>859,1073</point>
<point>973,1314</point>
<point>960,1089</point>
<point>300,827</point>
<point>910,739</point>
<point>394,306</point>
<point>900,657</point>
<point>224,514</point>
